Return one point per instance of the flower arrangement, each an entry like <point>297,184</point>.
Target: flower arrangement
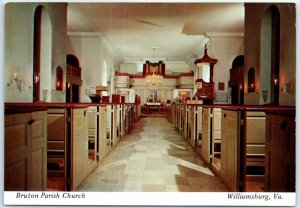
<point>177,100</point>
<point>150,99</point>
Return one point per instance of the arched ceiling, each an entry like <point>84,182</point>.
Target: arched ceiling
<point>132,30</point>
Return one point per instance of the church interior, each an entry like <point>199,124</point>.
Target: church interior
<point>144,96</point>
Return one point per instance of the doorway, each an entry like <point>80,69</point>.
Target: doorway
<point>73,78</point>
<point>270,56</point>
<point>42,53</point>
<point>72,93</point>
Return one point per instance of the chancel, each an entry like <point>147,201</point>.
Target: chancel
<point>146,97</point>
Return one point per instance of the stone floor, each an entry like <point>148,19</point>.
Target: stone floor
<point>154,157</point>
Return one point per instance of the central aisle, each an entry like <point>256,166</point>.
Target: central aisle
<point>153,157</point>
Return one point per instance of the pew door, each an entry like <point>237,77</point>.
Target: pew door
<point>58,165</point>
<point>103,145</point>
<point>206,134</point>
<point>216,137</point>
<point>230,145</point>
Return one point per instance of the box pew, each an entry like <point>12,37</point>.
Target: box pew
<point>123,116</point>
<point>247,140</point>
<point>92,134</point>
<point>79,146</point>
<point>181,118</point>
<point>177,115</point>
<point>280,174</point>
<point>186,125</point>
<point>211,133</point>
<point>188,121</point>
<point>102,134</point>
<point>131,116</point>
<point>57,144</point>
<point>109,128</point>
<point>196,126</point>
<point>171,114</point>
<point>62,136</point>
<point>255,145</point>
<point>25,148</point>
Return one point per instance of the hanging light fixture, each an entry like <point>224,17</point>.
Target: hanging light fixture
<point>154,79</point>
<point>154,71</point>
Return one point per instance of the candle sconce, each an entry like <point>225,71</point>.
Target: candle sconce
<point>15,80</point>
<point>275,79</point>
<point>45,93</point>
<point>36,77</point>
<point>59,78</point>
<point>58,85</point>
<point>251,80</point>
<point>241,86</point>
<point>265,95</point>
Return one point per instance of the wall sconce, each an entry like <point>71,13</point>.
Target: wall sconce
<point>59,78</point>
<point>58,85</point>
<point>251,87</point>
<point>16,73</point>
<point>275,81</point>
<point>69,85</point>
<point>36,77</point>
<point>241,87</point>
<point>14,79</point>
<point>251,80</point>
<point>265,95</point>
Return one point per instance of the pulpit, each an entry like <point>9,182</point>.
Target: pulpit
<point>204,78</point>
<point>205,90</point>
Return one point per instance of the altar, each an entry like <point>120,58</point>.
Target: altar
<point>153,106</point>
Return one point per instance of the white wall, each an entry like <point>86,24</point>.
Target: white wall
<point>186,82</point>
<point>131,68</point>
<point>177,67</point>
<point>95,60</point>
<point>19,24</point>
<point>225,49</point>
<point>46,55</point>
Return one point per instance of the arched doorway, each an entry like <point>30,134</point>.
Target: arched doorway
<point>269,59</point>
<point>42,55</point>
<point>236,81</point>
<point>73,79</point>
